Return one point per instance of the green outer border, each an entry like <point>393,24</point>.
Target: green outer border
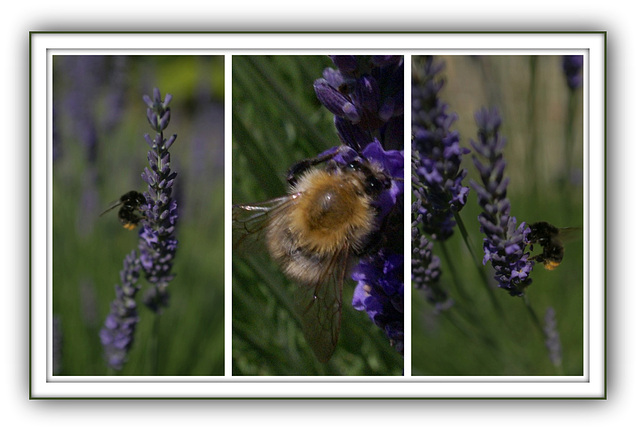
<point>601,32</point>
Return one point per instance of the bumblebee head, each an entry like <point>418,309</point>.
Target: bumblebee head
<point>374,180</point>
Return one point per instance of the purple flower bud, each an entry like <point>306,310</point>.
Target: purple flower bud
<point>387,110</point>
<point>148,101</point>
<point>350,112</point>
<point>164,121</point>
<point>335,79</point>
<point>153,119</point>
<point>170,141</point>
<point>331,98</point>
<point>148,139</point>
<point>157,97</point>
<point>351,134</point>
<point>367,97</point>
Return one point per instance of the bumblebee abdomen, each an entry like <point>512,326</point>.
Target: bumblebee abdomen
<point>550,265</point>
<point>297,260</point>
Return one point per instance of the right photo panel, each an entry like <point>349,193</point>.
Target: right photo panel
<point>497,215</point>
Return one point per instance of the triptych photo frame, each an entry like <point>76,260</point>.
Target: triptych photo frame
<point>236,215</point>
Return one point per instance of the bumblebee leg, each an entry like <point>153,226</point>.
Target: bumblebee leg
<point>373,242</point>
<point>537,258</point>
<point>304,165</point>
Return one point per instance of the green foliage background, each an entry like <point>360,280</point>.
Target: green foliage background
<point>277,121</point>
<point>88,250</point>
<point>542,122</point>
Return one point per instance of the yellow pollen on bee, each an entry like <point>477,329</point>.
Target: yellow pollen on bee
<point>551,265</point>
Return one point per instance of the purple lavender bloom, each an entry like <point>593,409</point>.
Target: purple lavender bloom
<point>437,155</point>
<point>505,240</point>
<point>366,96</point>
<point>392,162</point>
<point>552,337</point>
<point>379,275</point>
<point>158,243</point>
<point>380,292</point>
<point>425,266</point>
<point>572,66</point>
<point>117,334</point>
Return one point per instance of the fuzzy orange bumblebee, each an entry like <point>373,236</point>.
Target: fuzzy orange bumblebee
<point>313,232</point>
<point>329,215</point>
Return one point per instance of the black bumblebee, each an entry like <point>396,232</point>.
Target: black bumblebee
<point>551,239</point>
<point>129,214</point>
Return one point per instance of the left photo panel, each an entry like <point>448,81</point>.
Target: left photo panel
<point>137,198</point>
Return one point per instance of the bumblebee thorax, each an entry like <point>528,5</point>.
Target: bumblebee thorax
<point>332,210</point>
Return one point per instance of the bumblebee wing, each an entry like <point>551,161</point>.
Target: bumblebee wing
<point>250,220</point>
<point>319,305</point>
<point>569,234</point>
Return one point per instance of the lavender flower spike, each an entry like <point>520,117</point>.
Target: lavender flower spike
<point>425,266</point>
<point>366,96</point>
<point>380,292</point>
<point>157,237</point>
<point>505,241</point>
<point>437,155</point>
<point>552,337</point>
<point>117,334</point>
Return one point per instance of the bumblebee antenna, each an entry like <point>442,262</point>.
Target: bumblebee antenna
<point>112,205</point>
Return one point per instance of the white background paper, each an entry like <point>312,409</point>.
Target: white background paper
<point>622,290</point>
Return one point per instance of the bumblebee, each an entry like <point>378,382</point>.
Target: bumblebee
<point>551,239</point>
<point>129,213</point>
<point>312,233</point>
